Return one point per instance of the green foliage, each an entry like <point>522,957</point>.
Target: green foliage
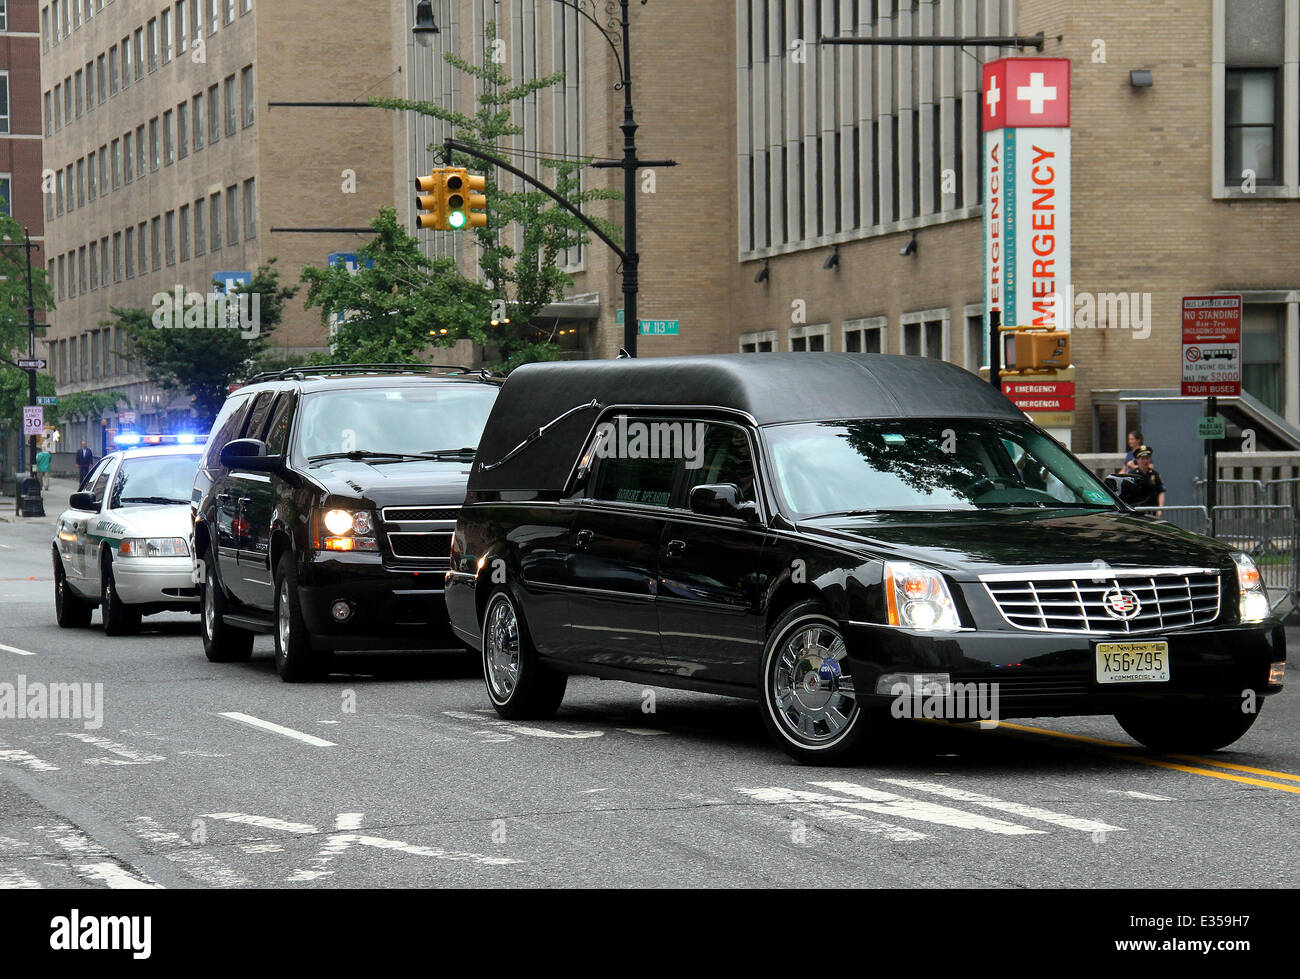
<point>89,405</point>
<point>13,323</point>
<point>205,361</point>
<point>391,312</point>
<point>529,278</point>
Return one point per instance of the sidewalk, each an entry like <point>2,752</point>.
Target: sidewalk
<point>55,500</point>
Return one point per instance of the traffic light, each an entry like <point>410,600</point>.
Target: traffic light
<point>466,202</point>
<point>1036,350</point>
<point>432,201</point>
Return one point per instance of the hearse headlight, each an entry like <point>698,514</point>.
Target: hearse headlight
<point>346,530</point>
<point>1253,604</point>
<point>918,598</point>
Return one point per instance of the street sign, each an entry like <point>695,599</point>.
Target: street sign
<point>1211,351</point>
<point>29,364</point>
<point>659,328</point>
<point>126,417</point>
<point>1040,395</point>
<point>619,316</point>
<point>47,401</point>
<point>33,420</point>
<point>1211,428</point>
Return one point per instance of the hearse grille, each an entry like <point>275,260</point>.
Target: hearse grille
<point>421,534</point>
<point>1154,602</point>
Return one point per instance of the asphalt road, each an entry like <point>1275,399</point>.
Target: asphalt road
<point>397,773</point>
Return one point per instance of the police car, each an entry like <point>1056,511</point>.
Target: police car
<point>123,544</point>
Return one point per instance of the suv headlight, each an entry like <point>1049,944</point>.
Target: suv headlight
<point>345,530</point>
<point>153,547</point>
<point>918,598</point>
<point>1253,605</point>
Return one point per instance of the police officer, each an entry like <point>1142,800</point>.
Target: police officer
<point>1151,488</point>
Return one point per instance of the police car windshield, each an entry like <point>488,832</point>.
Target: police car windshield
<point>159,480</point>
<point>868,467</point>
<point>378,423</point>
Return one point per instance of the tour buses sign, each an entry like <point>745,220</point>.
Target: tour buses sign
<point>1026,111</point>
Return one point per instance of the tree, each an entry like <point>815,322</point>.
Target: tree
<point>528,279</point>
<point>398,301</point>
<point>180,352</point>
<point>89,405</point>
<point>13,324</point>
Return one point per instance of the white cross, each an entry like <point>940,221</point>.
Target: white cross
<point>1036,93</point>
<point>993,97</point>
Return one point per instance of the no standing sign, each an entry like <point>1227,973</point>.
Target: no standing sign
<point>1211,346</point>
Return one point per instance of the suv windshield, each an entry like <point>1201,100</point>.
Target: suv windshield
<point>394,422</point>
<point>155,479</point>
<point>851,467</point>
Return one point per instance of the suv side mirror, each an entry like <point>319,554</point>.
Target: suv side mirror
<point>83,501</point>
<point>722,500</point>
<point>1123,485</point>
<point>249,455</point>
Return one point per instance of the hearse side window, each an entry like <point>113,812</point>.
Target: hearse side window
<point>224,428</point>
<point>635,467</point>
<point>726,458</point>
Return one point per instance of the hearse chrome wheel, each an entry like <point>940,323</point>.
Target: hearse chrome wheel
<point>501,648</point>
<point>811,688</point>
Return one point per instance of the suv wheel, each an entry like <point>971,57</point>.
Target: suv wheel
<point>519,686</point>
<point>809,704</point>
<point>221,643</point>
<point>70,610</point>
<point>295,660</point>
<point>119,618</point>
<point>1188,727</point>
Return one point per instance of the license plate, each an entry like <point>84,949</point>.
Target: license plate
<point>1133,662</point>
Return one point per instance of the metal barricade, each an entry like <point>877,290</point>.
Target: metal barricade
<point>1193,518</point>
<point>1233,492</point>
<point>1268,534</point>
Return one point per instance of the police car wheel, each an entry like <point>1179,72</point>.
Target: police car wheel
<point>809,704</point>
<point>1189,727</point>
<point>70,611</point>
<point>295,660</point>
<point>221,643</point>
<point>119,618</point>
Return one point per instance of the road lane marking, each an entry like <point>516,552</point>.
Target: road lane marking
<point>1128,754</point>
<point>532,732</point>
<point>263,822</point>
<point>113,876</point>
<point>1011,808</point>
<point>1148,796</point>
<point>888,804</point>
<point>15,650</point>
<point>288,732</point>
<point>27,760</point>
<point>1240,768</point>
<point>127,754</point>
<point>14,879</point>
<point>822,806</point>
<point>203,867</point>
<point>99,865</point>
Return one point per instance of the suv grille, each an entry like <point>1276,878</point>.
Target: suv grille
<point>421,533</point>
<point>1164,600</point>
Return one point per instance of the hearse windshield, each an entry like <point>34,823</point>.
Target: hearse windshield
<point>442,421</point>
<point>862,467</point>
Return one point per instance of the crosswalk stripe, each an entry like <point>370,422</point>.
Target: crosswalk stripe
<point>815,804</point>
<point>14,879</point>
<point>901,807</point>
<point>203,867</point>
<point>1012,808</point>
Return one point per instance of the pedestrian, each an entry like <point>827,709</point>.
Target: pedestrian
<point>1151,488</point>
<point>43,466</point>
<point>1134,443</point>
<point>85,459</point>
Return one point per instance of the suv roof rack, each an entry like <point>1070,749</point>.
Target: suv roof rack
<point>327,370</point>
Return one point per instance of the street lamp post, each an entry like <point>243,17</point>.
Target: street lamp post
<point>616,34</point>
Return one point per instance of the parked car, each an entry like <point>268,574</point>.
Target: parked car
<point>123,543</point>
<point>833,536</point>
<point>324,507</point>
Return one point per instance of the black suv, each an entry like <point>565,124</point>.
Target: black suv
<point>847,539</point>
<point>324,507</point>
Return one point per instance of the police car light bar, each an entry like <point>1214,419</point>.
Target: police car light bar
<point>128,440</point>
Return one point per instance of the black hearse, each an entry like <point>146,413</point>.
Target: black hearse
<point>833,535</point>
<point>324,507</point>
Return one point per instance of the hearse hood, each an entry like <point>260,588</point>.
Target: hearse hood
<point>971,543</point>
<point>382,484</point>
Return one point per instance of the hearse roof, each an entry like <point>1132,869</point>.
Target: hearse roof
<point>772,388</point>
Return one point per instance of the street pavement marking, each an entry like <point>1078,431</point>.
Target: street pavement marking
<point>1134,794</point>
<point>532,732</point>
<point>1128,754</point>
<point>203,867</point>
<point>1012,808</point>
<point>14,879</point>
<point>888,804</point>
<point>127,754</point>
<point>824,806</point>
<point>263,822</point>
<point>27,760</point>
<point>288,732</point>
<point>1240,768</point>
<point>108,872</point>
<point>113,876</point>
<point>15,650</point>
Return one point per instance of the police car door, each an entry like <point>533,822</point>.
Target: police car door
<point>92,528</point>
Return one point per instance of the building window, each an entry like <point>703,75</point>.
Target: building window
<point>103,260</point>
<point>155,242</point>
<point>185,232</point>
<point>58,107</point>
<point>198,123</point>
<point>759,342</point>
<point>103,171</point>
<point>214,113</point>
<point>250,210</point>
<point>925,334</point>
<point>232,215</point>
<point>1262,371</point>
<point>976,339</point>
<point>232,107</point>
<point>49,114</point>
<point>112,70</point>
<point>81,269</point>
<point>183,130</point>
<point>94,179</point>
<point>212,16</point>
<point>81,93</point>
<point>200,235</point>
<point>214,221</point>
<point>155,155</point>
<point>1251,125</point>
<point>169,142</point>
<point>45,28</point>
<point>141,152</point>
<point>129,158</point>
<point>866,336</point>
<point>67,99</point>
<point>169,236</point>
<point>117,256</point>
<point>127,61</point>
<point>230,12</point>
<point>81,182</point>
<point>101,73</point>
<point>90,86</point>
<point>59,192</point>
<point>6,189</point>
<point>94,266</point>
<point>139,53</point>
<point>166,36</point>
<point>153,44</point>
<point>809,339</point>
<point>182,27</point>
<point>246,85</point>
<point>130,253</point>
